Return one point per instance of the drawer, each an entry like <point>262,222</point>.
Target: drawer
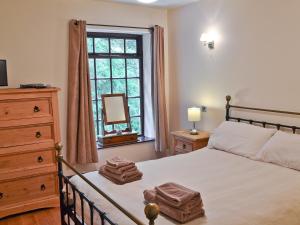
<point>26,160</point>
<point>19,109</point>
<point>25,135</point>
<point>32,188</point>
<point>183,146</point>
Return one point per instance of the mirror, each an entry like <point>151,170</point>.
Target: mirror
<point>115,109</point>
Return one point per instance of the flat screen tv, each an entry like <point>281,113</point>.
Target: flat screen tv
<point>3,73</point>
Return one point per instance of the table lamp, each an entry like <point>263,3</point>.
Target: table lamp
<point>194,115</point>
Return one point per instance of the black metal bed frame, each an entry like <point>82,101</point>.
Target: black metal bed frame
<point>66,188</point>
<point>263,123</point>
<point>68,199</point>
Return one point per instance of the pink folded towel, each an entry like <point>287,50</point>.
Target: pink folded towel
<point>120,170</point>
<point>124,178</point>
<point>183,214</point>
<point>176,195</point>
<point>118,162</point>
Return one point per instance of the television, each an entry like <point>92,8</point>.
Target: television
<point>3,73</point>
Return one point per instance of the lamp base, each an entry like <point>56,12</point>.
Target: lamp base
<point>193,132</point>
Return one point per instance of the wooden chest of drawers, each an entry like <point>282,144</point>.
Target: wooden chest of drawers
<point>29,129</point>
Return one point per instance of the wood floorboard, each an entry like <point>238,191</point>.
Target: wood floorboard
<point>38,217</point>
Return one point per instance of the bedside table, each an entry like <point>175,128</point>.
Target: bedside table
<point>184,142</point>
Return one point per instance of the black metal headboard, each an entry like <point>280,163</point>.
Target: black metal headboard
<point>263,123</point>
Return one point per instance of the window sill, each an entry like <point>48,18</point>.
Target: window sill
<point>140,140</point>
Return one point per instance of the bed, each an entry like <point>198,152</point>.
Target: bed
<point>235,190</point>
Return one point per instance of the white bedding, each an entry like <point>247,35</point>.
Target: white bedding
<point>235,190</point>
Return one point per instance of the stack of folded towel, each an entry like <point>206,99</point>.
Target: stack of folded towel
<point>120,171</point>
<point>176,201</point>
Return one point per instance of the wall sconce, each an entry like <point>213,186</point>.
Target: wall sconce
<point>207,39</point>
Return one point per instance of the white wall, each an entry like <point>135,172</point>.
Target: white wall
<point>34,40</point>
<point>256,59</point>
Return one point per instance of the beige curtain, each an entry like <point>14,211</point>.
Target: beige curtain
<point>160,108</point>
<point>81,140</point>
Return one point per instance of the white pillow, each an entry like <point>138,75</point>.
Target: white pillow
<point>240,138</point>
<point>282,149</point>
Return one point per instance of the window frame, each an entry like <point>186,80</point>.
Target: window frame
<point>138,55</point>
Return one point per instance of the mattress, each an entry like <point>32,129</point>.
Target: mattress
<point>235,190</point>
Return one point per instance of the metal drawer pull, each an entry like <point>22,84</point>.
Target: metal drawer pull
<point>40,159</point>
<point>1,195</point>
<point>184,146</point>
<point>36,109</point>
<point>38,134</point>
<point>43,187</point>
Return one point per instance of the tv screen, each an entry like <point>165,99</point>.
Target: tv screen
<point>3,73</point>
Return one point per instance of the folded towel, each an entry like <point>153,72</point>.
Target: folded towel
<point>176,194</point>
<point>120,170</point>
<point>185,207</point>
<point>121,179</point>
<point>118,162</point>
<point>152,196</point>
<point>181,215</point>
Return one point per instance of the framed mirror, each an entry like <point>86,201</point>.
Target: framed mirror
<point>115,109</point>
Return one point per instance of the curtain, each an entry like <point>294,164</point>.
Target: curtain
<point>159,103</point>
<point>81,140</point>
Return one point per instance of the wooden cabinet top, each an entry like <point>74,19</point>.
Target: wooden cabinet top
<point>186,134</point>
<point>27,90</point>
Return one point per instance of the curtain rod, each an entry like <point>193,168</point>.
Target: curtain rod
<point>105,25</point>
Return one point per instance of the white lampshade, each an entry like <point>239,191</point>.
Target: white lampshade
<point>194,114</point>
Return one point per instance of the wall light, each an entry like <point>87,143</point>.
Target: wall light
<point>207,39</point>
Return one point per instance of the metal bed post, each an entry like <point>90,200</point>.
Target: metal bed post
<point>59,157</point>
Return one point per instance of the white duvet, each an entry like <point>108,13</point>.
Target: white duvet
<point>235,190</point>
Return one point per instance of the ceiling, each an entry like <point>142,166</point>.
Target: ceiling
<point>160,3</point>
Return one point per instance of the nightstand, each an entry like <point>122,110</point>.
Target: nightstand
<point>184,142</point>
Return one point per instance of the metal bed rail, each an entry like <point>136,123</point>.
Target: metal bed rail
<point>69,198</point>
<point>263,123</point>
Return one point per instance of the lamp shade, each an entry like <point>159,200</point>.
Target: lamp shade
<point>194,114</point>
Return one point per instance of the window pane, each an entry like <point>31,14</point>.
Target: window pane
<point>101,45</point>
<point>136,124</point>
<point>121,126</point>
<point>119,86</point>
<point>99,109</point>
<point>100,127</point>
<point>131,46</point>
<point>133,87</point>
<point>103,87</point>
<point>90,45</point>
<point>133,68</point>
<point>103,68</point>
<point>134,106</point>
<point>95,124</point>
<point>93,91</point>
<point>95,109</point>
<point>117,45</point>
<point>91,69</point>
<point>108,128</point>
<point>118,68</point>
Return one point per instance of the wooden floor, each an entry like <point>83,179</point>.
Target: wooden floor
<point>38,217</point>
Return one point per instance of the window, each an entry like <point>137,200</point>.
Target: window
<point>116,66</point>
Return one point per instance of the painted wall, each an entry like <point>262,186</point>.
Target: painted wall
<point>256,57</point>
<point>34,40</point>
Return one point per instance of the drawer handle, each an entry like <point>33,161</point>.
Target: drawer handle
<point>43,187</point>
<point>40,159</point>
<point>38,134</point>
<point>1,195</point>
<point>36,109</point>
<point>184,146</point>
